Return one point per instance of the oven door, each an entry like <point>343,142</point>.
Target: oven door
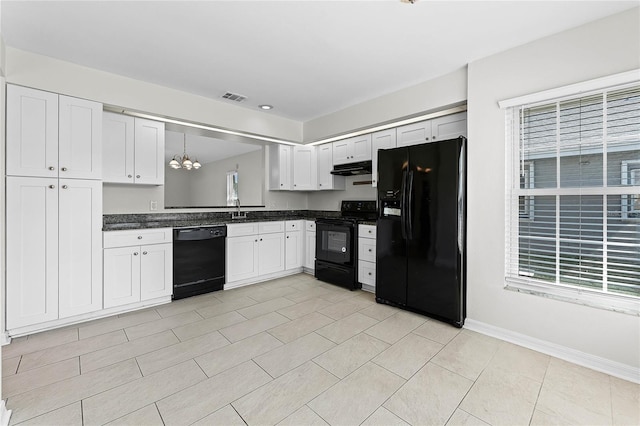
<point>335,242</point>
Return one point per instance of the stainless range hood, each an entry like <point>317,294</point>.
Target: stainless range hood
<point>352,169</point>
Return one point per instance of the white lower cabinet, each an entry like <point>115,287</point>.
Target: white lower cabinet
<point>54,265</point>
<point>367,256</point>
<point>254,250</point>
<point>138,266</point>
<point>310,246</point>
<point>294,244</point>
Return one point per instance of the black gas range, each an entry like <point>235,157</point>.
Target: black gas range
<point>337,243</point>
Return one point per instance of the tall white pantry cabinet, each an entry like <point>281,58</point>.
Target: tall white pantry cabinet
<point>54,207</point>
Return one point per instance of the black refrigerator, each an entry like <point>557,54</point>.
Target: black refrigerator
<point>420,243</point>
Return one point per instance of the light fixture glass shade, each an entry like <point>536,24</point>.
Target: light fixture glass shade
<point>196,164</point>
<point>186,163</point>
<point>174,163</point>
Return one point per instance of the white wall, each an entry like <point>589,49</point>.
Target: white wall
<point>330,200</point>
<point>598,49</point>
<point>41,72</point>
<point>433,95</point>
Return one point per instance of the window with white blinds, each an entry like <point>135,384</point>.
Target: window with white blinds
<point>573,195</point>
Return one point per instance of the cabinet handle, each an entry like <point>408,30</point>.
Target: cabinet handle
<point>52,186</point>
<point>144,252</point>
<point>257,240</point>
<point>129,176</point>
<point>139,237</point>
<point>369,231</point>
<point>287,237</point>
<point>260,239</point>
<point>52,168</point>
<point>369,273</point>
<point>369,250</point>
<point>137,176</point>
<point>135,253</point>
<point>320,184</point>
<point>64,186</point>
<point>64,169</point>
<point>282,184</point>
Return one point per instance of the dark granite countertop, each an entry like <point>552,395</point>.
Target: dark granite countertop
<point>118,222</point>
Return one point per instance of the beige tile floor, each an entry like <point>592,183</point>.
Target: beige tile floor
<point>296,351</point>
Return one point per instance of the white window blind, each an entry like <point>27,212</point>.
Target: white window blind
<point>573,194</point>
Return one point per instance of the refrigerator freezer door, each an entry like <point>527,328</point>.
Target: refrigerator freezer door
<point>434,284</point>
<point>391,247</point>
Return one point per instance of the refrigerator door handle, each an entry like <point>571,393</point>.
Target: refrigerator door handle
<point>403,207</point>
<point>410,207</point>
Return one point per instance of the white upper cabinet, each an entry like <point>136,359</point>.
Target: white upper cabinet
<point>414,134</point>
<point>149,152</point>
<point>79,138</point>
<point>133,150</point>
<point>441,128</point>
<point>50,135</point>
<point>280,170</point>
<point>117,148</point>
<point>384,139</point>
<point>352,150</point>
<point>449,127</point>
<point>326,180</point>
<point>305,172</point>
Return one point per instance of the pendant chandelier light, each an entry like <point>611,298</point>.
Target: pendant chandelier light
<point>184,162</point>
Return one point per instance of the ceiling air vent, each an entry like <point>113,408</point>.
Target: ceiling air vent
<point>234,97</point>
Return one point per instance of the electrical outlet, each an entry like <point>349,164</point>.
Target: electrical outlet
<point>153,205</point>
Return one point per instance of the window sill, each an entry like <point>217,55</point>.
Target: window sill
<point>609,302</point>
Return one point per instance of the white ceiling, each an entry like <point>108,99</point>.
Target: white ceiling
<point>307,58</point>
<point>203,148</point>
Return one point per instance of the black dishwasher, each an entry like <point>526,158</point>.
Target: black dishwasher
<point>198,260</point>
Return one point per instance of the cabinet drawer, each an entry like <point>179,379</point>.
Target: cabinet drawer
<point>293,225</point>
<point>242,229</point>
<point>367,231</point>
<point>137,238</point>
<point>367,273</point>
<point>310,226</point>
<point>367,249</point>
<point>270,227</point>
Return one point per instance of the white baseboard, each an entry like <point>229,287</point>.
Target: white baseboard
<point>5,414</point>
<point>584,359</point>
<point>5,339</point>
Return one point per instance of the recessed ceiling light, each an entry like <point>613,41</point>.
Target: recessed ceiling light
<point>266,107</point>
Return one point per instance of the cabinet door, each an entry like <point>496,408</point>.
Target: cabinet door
<point>117,148</point>
<point>310,250</point>
<point>361,148</point>
<point>156,271</point>
<point>284,156</point>
<point>80,138</point>
<point>80,246</point>
<point>32,251</point>
<point>342,151</point>
<point>385,139</point>
<point>326,180</point>
<point>149,152</point>
<point>449,126</point>
<point>413,134</point>
<point>293,250</point>
<point>271,253</point>
<point>121,276</point>
<point>32,132</point>
<point>280,159</point>
<point>242,258</point>
<point>305,173</point>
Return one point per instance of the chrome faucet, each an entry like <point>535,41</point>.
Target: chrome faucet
<point>237,214</point>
